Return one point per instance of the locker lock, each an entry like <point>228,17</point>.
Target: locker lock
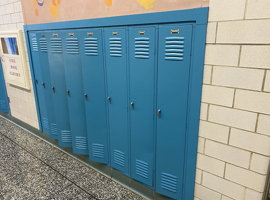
<point>85,96</point>
<point>43,85</point>
<point>158,112</point>
<point>36,81</point>
<point>53,90</point>
<point>132,105</point>
<point>68,92</point>
<point>109,100</point>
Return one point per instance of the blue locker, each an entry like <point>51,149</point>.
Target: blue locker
<point>142,42</point>
<point>38,81</point>
<point>43,41</point>
<point>74,91</point>
<point>4,104</point>
<point>172,97</point>
<point>116,66</point>
<point>92,59</point>
<point>58,87</point>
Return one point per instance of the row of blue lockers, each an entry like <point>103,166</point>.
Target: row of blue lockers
<point>119,95</point>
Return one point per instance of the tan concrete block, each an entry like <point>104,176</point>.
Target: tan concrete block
<point>238,77</point>
<point>263,126</point>
<point>256,56</point>
<point>259,163</point>
<point>250,141</point>
<point>207,74</point>
<point>201,142</point>
<point>266,87</point>
<point>198,177</point>
<point>227,55</point>
<point>257,9</point>
<point>227,153</point>
<point>223,186</point>
<point>226,10</point>
<point>204,193</point>
<point>217,95</point>
<point>245,177</point>
<point>210,165</point>
<point>204,111</point>
<point>253,195</point>
<point>195,198</point>
<point>211,32</point>
<point>214,131</point>
<point>244,32</point>
<point>252,101</point>
<point>226,198</point>
<point>232,117</point>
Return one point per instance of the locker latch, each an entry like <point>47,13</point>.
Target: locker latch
<point>85,96</point>
<point>53,89</point>
<point>68,92</point>
<point>43,85</point>
<point>109,100</point>
<point>158,112</point>
<point>132,105</point>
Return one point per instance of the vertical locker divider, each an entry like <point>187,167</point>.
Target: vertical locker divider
<point>128,98</point>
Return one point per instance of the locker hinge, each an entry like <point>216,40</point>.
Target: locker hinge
<point>186,125</point>
<point>8,100</point>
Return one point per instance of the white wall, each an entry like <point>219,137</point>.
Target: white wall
<point>22,102</point>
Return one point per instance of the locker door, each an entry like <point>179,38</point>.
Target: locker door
<point>116,65</point>
<point>142,83</point>
<point>92,58</point>
<point>58,87</point>
<point>74,92</point>
<point>38,81</point>
<point>43,41</point>
<point>4,104</point>
<point>173,78</point>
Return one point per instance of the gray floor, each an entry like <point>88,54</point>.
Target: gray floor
<point>33,169</point>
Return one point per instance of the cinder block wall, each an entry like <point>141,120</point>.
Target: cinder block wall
<point>234,142</point>
<point>22,102</point>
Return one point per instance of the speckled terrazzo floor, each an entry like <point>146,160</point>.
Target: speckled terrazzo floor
<point>32,169</point>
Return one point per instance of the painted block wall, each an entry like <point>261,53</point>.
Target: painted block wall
<point>234,136</point>
<point>22,102</point>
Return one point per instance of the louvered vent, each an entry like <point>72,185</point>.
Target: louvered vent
<point>35,44</point>
<point>119,158</point>
<point>43,45</point>
<point>169,182</point>
<point>142,48</point>
<point>98,150</point>
<point>45,123</point>
<point>72,45</point>
<point>174,48</point>
<point>115,47</point>
<point>3,105</point>
<point>91,46</point>
<point>56,45</point>
<point>142,169</point>
<point>81,143</point>
<point>54,129</point>
<point>66,136</point>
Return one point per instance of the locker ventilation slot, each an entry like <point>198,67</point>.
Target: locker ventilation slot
<point>142,169</point>
<point>81,143</point>
<point>119,158</point>
<point>54,129</point>
<point>46,123</point>
<point>66,136</point>
<point>3,105</point>
<point>142,48</point>
<point>43,45</point>
<point>174,48</point>
<point>98,150</point>
<point>91,46</point>
<point>35,44</point>
<point>56,45</point>
<point>115,47</point>
<point>72,46</point>
<point>169,182</point>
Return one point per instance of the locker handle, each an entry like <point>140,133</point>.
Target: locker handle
<point>68,92</point>
<point>53,90</point>
<point>85,96</point>
<point>43,85</point>
<point>109,100</point>
<point>158,112</point>
<point>132,105</point>
<point>36,81</point>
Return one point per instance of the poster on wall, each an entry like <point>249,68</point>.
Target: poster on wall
<point>14,59</point>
